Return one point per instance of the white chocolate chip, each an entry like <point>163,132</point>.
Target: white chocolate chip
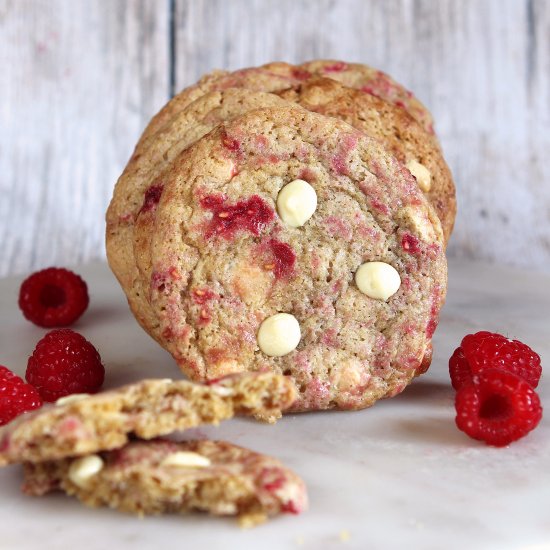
<point>222,391</point>
<point>377,280</point>
<point>71,399</point>
<point>83,469</point>
<point>186,459</point>
<point>422,175</point>
<point>296,203</point>
<point>279,334</point>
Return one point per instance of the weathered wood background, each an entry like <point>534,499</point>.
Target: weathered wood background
<point>80,78</point>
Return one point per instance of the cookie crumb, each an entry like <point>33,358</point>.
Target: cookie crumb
<point>344,535</point>
<point>252,520</point>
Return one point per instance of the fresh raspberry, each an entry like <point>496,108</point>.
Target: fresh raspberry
<point>53,297</point>
<point>16,397</point>
<point>486,350</point>
<point>62,363</point>
<point>459,369</point>
<point>498,407</point>
<point>489,350</point>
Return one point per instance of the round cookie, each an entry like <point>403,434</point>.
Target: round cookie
<point>128,194</point>
<point>390,124</point>
<point>223,261</point>
<point>140,185</point>
<point>394,128</point>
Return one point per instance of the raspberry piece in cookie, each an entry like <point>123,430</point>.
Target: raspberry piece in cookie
<point>64,362</point>
<point>16,397</point>
<point>53,297</point>
<point>153,477</point>
<point>251,215</point>
<point>498,407</point>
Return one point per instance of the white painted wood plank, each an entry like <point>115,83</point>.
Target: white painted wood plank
<point>481,66</point>
<point>78,81</point>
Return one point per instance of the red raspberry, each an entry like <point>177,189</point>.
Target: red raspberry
<point>16,397</point>
<point>62,363</point>
<point>53,297</point>
<point>459,369</point>
<point>486,350</point>
<point>498,407</point>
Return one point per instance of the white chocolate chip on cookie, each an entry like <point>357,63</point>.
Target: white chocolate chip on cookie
<point>186,459</point>
<point>296,203</point>
<point>279,334</point>
<point>422,175</point>
<point>83,469</point>
<point>377,280</point>
<point>73,398</point>
<point>222,391</point>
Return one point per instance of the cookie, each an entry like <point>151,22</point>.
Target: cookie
<point>139,186</point>
<point>128,199</point>
<point>372,82</point>
<point>147,409</point>
<point>394,128</point>
<point>162,476</point>
<point>277,76</point>
<point>237,285</point>
<point>388,123</point>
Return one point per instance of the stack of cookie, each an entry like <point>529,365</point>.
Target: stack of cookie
<point>289,219</point>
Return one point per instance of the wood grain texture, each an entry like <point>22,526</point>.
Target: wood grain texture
<point>79,79</point>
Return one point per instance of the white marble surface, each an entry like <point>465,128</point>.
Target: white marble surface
<point>399,475</point>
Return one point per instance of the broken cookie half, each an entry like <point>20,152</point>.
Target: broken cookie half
<point>83,446</point>
<point>146,409</point>
<point>161,476</point>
